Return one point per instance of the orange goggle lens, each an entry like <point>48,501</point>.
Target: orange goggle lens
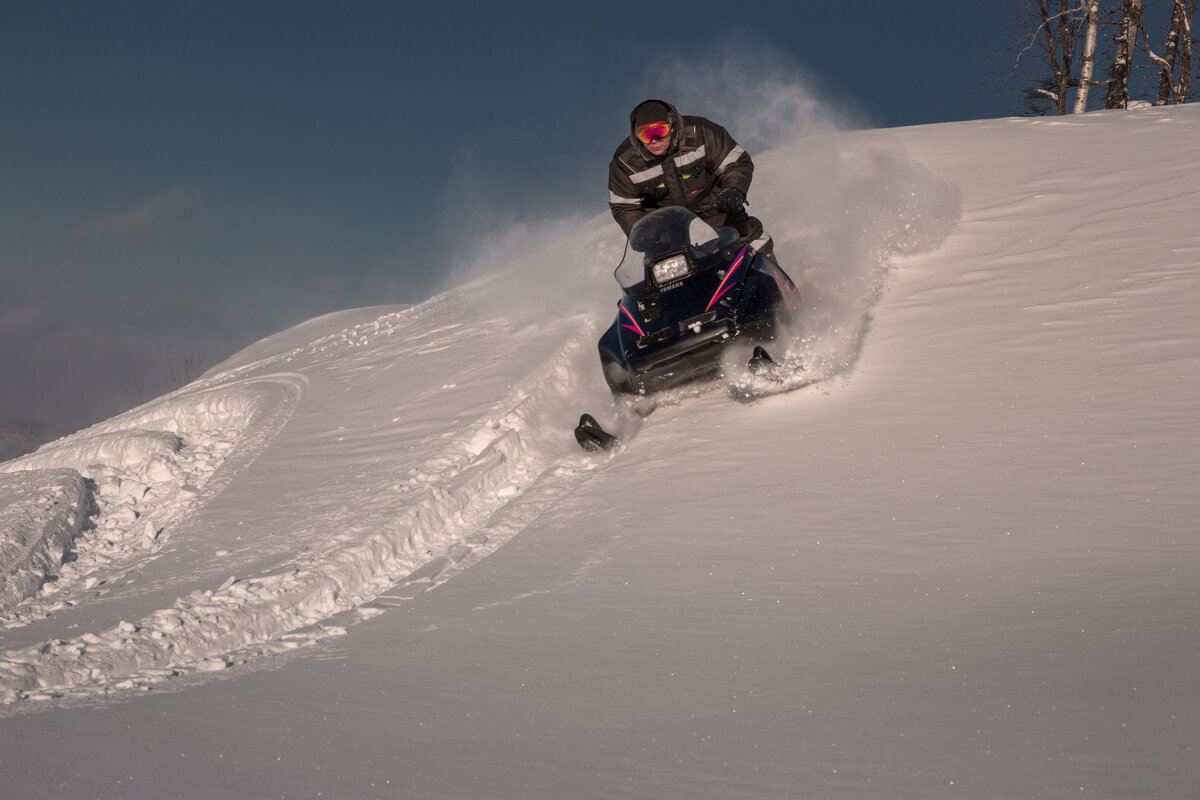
<point>653,130</point>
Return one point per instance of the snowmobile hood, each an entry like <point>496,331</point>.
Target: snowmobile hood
<point>673,118</point>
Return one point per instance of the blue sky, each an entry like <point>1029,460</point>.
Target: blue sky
<point>190,176</point>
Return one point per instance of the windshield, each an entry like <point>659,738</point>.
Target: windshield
<point>661,233</point>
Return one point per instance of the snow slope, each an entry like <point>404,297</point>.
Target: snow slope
<point>962,564</point>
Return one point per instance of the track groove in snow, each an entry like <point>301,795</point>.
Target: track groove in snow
<point>449,511</point>
<point>146,471</point>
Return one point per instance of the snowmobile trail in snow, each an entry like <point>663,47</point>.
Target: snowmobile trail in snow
<point>290,576</point>
<point>148,471</point>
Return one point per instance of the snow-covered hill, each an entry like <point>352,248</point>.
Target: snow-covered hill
<point>962,564</point>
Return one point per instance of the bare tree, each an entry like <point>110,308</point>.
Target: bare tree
<point>184,367</point>
<point>1058,31</point>
<point>1177,52</point>
<point>1050,30</point>
<point>1186,40</point>
<point>1130,22</point>
<point>1059,47</point>
<point>1087,65</point>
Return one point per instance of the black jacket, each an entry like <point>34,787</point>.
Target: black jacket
<point>703,159</point>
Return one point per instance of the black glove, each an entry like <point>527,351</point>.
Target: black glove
<point>731,201</point>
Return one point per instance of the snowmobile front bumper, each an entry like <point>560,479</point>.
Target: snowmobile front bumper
<point>690,356</point>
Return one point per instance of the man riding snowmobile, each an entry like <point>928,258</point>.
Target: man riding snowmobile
<point>698,273</point>
<point>672,160</point>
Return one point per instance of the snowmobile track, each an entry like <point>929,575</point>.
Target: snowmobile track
<point>484,485</point>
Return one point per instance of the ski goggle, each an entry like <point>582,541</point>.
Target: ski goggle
<point>652,130</point>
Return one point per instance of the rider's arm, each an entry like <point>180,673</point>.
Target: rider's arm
<point>624,200</point>
<point>727,159</point>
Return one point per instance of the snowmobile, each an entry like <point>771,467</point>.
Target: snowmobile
<point>689,290</point>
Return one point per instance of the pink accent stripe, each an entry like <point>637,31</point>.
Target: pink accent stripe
<point>726,284</point>
<point>634,327</point>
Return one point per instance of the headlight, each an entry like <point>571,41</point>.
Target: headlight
<point>670,269</point>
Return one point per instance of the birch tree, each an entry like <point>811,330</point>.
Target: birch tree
<point>1186,40</point>
<point>1177,53</point>
<point>1064,45</point>
<point>1132,12</point>
<point>1052,29</point>
<point>1087,64</point>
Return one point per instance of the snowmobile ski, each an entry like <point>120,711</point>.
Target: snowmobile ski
<point>592,437</point>
<point>765,376</point>
<point>760,361</point>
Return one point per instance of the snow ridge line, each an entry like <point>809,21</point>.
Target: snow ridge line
<point>483,470</point>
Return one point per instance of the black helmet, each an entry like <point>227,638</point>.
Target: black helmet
<point>650,111</point>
